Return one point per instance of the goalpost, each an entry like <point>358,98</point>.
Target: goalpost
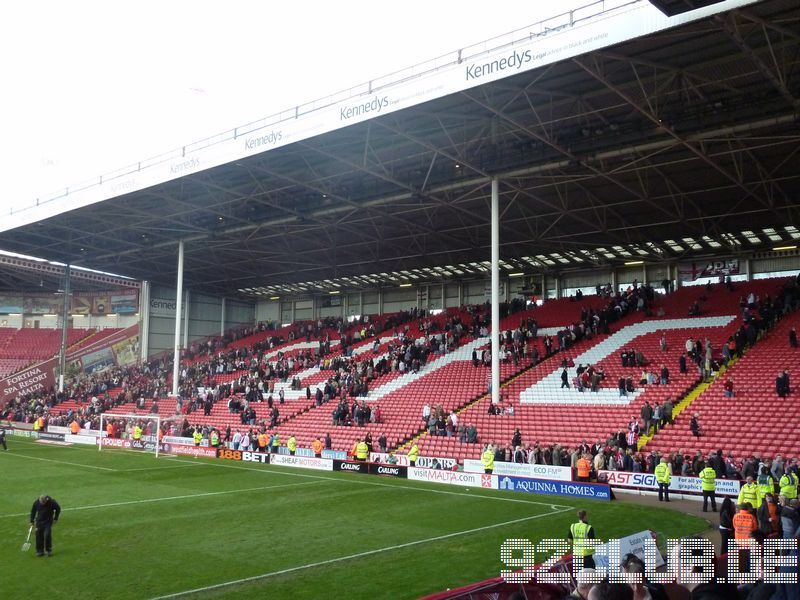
<point>146,442</point>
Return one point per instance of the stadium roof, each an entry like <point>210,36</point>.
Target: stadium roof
<point>679,143</point>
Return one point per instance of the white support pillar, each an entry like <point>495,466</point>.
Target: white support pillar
<point>544,287</point>
<point>558,285</point>
<point>178,306</point>
<point>613,280</point>
<point>380,301</point>
<point>444,296</point>
<point>144,320</point>
<point>294,312</point>
<point>677,273</point>
<point>62,349</point>
<point>461,293</point>
<point>748,266</point>
<point>186,320</point>
<point>495,292</point>
<point>361,303</point>
<point>222,317</point>
<point>644,275</point>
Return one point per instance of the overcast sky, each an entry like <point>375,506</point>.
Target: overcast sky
<point>93,86</point>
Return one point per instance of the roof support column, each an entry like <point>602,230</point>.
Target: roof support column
<point>495,346</point>
<point>62,352</point>
<point>222,317</point>
<point>186,321</point>
<point>178,306</point>
<point>144,320</point>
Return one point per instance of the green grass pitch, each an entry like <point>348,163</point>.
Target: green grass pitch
<point>134,526</point>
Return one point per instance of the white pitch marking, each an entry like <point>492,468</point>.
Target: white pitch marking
<point>184,466</point>
<point>352,556</point>
<point>279,471</point>
<point>62,462</point>
<point>183,497</point>
<point>356,479</point>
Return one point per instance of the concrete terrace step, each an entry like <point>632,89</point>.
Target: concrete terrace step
<point>464,353</point>
<point>542,391</point>
<point>306,373</point>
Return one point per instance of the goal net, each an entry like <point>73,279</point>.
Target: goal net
<point>134,431</point>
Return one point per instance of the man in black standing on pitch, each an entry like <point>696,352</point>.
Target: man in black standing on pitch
<point>44,513</point>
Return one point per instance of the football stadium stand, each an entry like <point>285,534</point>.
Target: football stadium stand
<point>537,401</point>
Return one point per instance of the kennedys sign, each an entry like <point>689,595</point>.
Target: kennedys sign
<point>677,484</point>
<point>165,307</point>
<point>560,38</point>
<point>453,477</point>
<point>522,470</point>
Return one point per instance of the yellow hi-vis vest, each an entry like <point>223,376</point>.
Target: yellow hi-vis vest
<point>768,487</point>
<point>662,473</point>
<point>749,493</point>
<point>708,478</point>
<point>291,444</point>
<point>197,437</point>
<point>362,450</point>
<point>488,460</point>
<point>413,454</point>
<point>137,433</point>
<point>580,531</point>
<point>788,485</point>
